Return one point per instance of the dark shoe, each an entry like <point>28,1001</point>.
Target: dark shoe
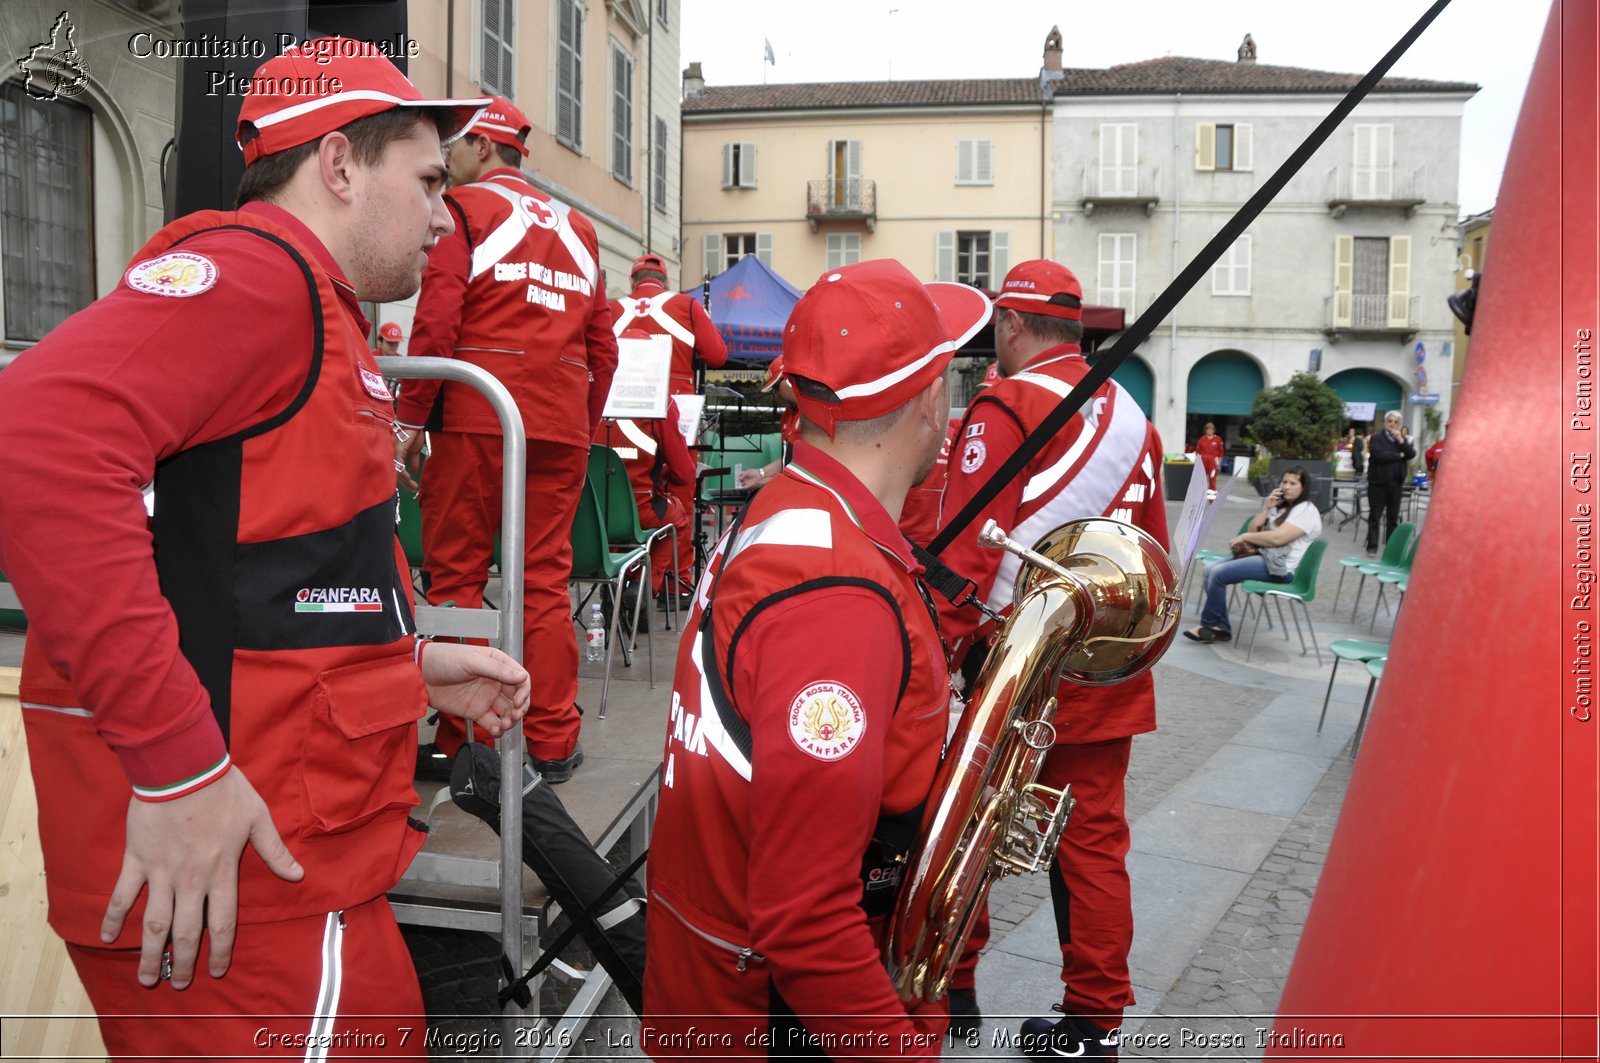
<point>1067,1038</point>
<point>555,771</point>
<point>630,600</point>
<point>685,600</point>
<point>1201,634</point>
<point>965,1018</point>
<point>1219,635</point>
<point>433,765</point>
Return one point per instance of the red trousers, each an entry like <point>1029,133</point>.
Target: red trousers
<point>1088,884</point>
<point>340,984</point>
<point>683,494</point>
<point>661,553</point>
<point>460,504</point>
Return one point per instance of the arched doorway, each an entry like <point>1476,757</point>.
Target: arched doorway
<point>1135,375</point>
<point>1368,385</point>
<point>1222,389</point>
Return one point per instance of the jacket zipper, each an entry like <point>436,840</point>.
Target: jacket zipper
<point>744,956</point>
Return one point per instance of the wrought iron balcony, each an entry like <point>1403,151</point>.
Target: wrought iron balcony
<point>842,199</point>
<point>1392,314</point>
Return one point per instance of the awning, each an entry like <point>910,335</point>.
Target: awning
<point>1134,375</point>
<point>1367,385</point>
<point>1224,384</point>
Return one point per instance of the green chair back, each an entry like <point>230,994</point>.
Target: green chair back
<point>592,558</point>
<point>618,506</point>
<point>1304,584</point>
<point>1399,545</point>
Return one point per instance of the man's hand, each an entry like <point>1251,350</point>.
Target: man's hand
<point>408,457</point>
<point>187,851</point>
<point>476,683</point>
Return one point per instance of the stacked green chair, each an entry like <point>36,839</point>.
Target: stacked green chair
<point>1202,558</point>
<point>1393,551</point>
<point>1302,591</point>
<point>1385,573</point>
<point>620,511</point>
<point>1375,670</point>
<point>595,563</point>
<point>1349,650</point>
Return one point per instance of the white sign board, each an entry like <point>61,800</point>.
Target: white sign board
<point>641,385</point>
<point>690,407</point>
<point>1360,411</point>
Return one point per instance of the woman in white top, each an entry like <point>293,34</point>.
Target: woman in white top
<point>1270,550</point>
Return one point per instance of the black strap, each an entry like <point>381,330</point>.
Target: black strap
<point>518,989</point>
<point>1141,329</point>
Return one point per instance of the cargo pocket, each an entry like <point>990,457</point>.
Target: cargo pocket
<point>361,748</point>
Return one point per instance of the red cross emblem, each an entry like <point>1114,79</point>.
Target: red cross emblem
<point>539,212</point>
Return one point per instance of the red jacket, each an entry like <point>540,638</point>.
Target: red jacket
<point>1210,449</point>
<point>831,661</point>
<point>652,450</point>
<point>652,308</point>
<point>261,616</point>
<point>516,289</point>
<point>1105,462</point>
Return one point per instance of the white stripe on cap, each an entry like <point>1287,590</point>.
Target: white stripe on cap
<point>295,110</point>
<point>483,123</point>
<point>889,380</point>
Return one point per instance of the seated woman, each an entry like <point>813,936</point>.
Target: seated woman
<point>1270,550</point>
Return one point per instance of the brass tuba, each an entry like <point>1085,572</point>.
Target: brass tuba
<point>1096,602</point>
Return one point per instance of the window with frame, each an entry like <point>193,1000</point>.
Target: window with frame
<point>569,73</point>
<point>1117,266</point>
<point>1231,274</point>
<point>621,114</point>
<point>1373,171</point>
<point>1223,146</point>
<point>663,11</point>
<point>498,66</point>
<point>658,182</point>
<point>975,162</point>
<point>737,245</point>
<point>972,258</point>
<point>739,164</point>
<point>1119,157</point>
<point>47,210</point>
<point>844,249</point>
<point>978,258</point>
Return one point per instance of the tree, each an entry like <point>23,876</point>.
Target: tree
<point>1301,419</point>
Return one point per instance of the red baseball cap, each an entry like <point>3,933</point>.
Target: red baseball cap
<point>875,336</point>
<point>774,373</point>
<point>1040,286</point>
<point>504,123</point>
<point>318,86</point>
<point>391,332</point>
<point>648,260</point>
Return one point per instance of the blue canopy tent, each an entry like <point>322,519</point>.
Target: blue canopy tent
<point>749,304</point>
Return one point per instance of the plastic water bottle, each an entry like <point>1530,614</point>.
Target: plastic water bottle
<point>595,636</point>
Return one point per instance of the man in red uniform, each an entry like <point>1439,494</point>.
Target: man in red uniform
<point>810,705</point>
<point>656,310</point>
<point>657,459</point>
<point>1210,447</point>
<point>389,337</point>
<point>517,290</point>
<point>1104,463</point>
<point>225,769</point>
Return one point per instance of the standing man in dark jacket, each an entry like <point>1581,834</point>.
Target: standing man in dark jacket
<point>1387,456</point>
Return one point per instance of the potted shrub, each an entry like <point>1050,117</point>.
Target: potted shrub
<point>1300,422</point>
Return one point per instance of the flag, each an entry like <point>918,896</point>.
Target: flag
<point>770,57</point>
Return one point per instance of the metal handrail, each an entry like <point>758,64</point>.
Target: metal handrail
<point>513,526</point>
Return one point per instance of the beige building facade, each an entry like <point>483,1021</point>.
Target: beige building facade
<point>951,178</point>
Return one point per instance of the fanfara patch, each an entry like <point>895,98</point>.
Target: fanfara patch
<point>973,455</point>
<point>826,720</point>
<point>374,383</point>
<point>177,273</point>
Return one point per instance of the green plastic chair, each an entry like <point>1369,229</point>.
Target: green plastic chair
<point>1393,551</point>
<point>1301,590</point>
<point>1385,574</point>
<point>620,509</point>
<point>1202,558</point>
<point>1349,650</point>
<point>595,563</point>
<point>1375,670</point>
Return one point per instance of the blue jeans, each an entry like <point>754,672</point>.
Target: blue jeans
<point>1224,574</point>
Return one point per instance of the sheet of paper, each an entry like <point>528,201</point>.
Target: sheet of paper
<point>690,407</point>
<point>640,387</point>
<point>1196,518</point>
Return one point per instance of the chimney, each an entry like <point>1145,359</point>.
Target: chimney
<point>1052,49</point>
<point>1247,50</point>
<point>694,82</point>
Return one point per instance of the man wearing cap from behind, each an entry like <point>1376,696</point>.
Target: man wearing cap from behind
<point>221,700</point>
<point>810,704</point>
<point>1103,463</point>
<point>516,289</point>
<point>656,310</point>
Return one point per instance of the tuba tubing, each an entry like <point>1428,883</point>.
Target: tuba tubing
<point>1097,603</point>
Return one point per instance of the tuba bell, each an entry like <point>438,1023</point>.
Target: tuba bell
<point>1096,603</point>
